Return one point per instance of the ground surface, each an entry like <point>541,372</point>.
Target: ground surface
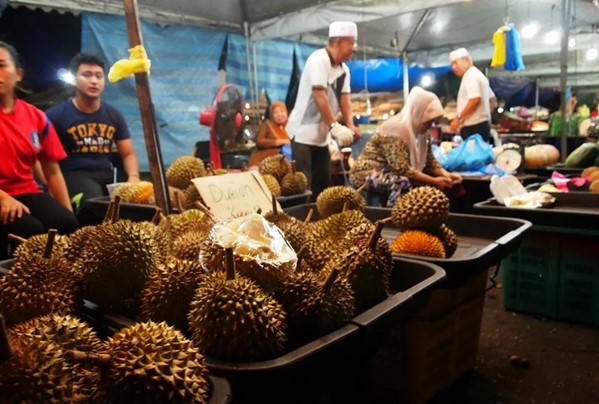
<point>563,358</point>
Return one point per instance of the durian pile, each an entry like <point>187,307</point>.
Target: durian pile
<point>281,177</point>
<point>421,215</point>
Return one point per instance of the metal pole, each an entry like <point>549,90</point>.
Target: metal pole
<point>148,115</point>
<point>256,84</point>
<point>564,75</point>
<point>537,92</point>
<point>406,77</point>
<point>246,34</point>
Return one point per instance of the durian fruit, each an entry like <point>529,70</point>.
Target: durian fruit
<point>315,308</point>
<point>34,369</point>
<point>322,242</point>
<point>422,208</point>
<point>142,193</point>
<point>418,242</point>
<point>360,235</point>
<point>153,362</point>
<point>448,238</point>
<point>36,285</point>
<point>191,195</point>
<point>276,165</point>
<point>233,319</point>
<point>294,183</point>
<point>190,219</point>
<point>366,270</point>
<point>293,229</point>
<point>187,246</point>
<point>118,262</point>
<point>260,250</point>
<point>124,191</point>
<point>183,169</point>
<point>272,184</point>
<point>36,245</point>
<point>332,199</point>
<point>168,293</point>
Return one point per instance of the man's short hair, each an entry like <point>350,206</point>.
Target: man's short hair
<point>86,58</point>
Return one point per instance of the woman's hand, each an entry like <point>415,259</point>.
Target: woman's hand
<point>281,142</point>
<point>455,178</point>
<point>10,209</point>
<point>442,182</point>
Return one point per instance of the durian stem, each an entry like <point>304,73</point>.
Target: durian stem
<point>361,188</point>
<point>328,283</point>
<point>300,257</point>
<point>79,356</point>
<point>109,212</point>
<point>376,234</point>
<point>205,209</point>
<point>50,243</point>
<point>275,210</point>
<point>179,203</point>
<point>345,206</point>
<point>5,348</point>
<point>116,214</point>
<point>157,216</point>
<point>293,167</point>
<point>309,215</point>
<point>16,239</point>
<point>229,263</point>
<point>211,168</point>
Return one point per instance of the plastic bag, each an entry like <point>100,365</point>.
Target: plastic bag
<point>439,155</point>
<point>472,155</point>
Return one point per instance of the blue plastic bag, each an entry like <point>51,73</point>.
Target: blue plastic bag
<point>286,151</point>
<point>513,57</point>
<point>472,155</point>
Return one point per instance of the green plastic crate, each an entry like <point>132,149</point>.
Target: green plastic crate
<point>530,280</point>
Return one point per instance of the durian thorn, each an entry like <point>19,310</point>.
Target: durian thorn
<point>179,203</point>
<point>5,348</point>
<point>16,239</point>
<point>211,168</point>
<point>79,356</point>
<point>275,210</point>
<point>229,263</point>
<point>376,234</point>
<point>345,206</point>
<point>50,243</point>
<point>205,209</point>
<point>361,188</point>
<point>328,283</point>
<point>309,215</point>
<point>116,214</point>
<point>157,216</point>
<point>109,212</point>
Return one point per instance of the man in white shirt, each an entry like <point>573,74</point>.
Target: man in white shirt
<point>323,91</point>
<point>474,97</point>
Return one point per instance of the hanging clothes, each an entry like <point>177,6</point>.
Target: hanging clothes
<point>513,56</point>
<point>499,47</point>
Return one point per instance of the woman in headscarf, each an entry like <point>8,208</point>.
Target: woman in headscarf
<point>399,155</point>
<point>271,135</point>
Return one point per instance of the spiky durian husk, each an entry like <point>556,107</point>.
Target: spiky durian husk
<point>418,242</point>
<point>118,262</point>
<point>36,245</point>
<point>276,165</point>
<point>37,372</point>
<point>143,193</point>
<point>183,169</point>
<point>293,229</point>
<point>168,293</point>
<point>422,208</point>
<point>191,195</point>
<point>78,242</point>
<point>125,191</point>
<point>273,185</point>
<point>360,235</point>
<point>188,245</point>
<point>294,183</point>
<point>35,286</point>
<point>323,242</point>
<point>332,199</point>
<point>236,320</point>
<point>449,240</point>
<point>153,362</point>
<point>189,219</point>
<point>311,310</point>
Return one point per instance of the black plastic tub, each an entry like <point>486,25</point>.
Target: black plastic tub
<point>293,200</point>
<point>572,210</point>
<point>483,241</point>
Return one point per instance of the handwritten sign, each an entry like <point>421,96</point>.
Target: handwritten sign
<point>235,195</point>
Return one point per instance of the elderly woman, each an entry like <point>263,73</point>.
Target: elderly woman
<point>271,135</point>
<point>399,156</point>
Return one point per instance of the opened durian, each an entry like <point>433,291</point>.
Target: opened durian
<point>153,362</point>
<point>272,184</point>
<point>276,165</point>
<point>168,293</point>
<point>332,200</point>
<point>143,193</point>
<point>418,242</point>
<point>422,208</point>
<point>231,318</point>
<point>449,240</point>
<point>183,169</point>
<point>294,183</point>
<point>293,229</point>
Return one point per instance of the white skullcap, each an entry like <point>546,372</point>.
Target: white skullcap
<point>343,29</point>
<point>458,53</point>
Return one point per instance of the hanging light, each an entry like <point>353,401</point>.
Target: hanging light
<point>571,42</point>
<point>66,76</point>
<point>592,54</point>
<point>530,30</point>
<point>427,80</point>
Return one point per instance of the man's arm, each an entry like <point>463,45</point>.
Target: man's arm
<point>322,102</point>
<point>468,109</point>
<point>346,111</point>
<point>56,183</point>
<point>130,163</point>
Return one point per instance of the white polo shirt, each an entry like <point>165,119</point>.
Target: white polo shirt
<point>305,123</point>
<point>474,84</point>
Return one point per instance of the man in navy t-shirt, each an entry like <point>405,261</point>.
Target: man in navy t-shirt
<point>87,128</point>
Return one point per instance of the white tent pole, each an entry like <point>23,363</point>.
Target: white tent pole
<point>256,85</point>
<point>564,74</point>
<point>246,35</point>
<point>537,92</point>
<point>406,77</point>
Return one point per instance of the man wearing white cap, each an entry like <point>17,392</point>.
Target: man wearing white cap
<point>323,91</point>
<point>473,104</point>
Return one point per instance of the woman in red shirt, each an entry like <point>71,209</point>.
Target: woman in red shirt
<point>26,135</point>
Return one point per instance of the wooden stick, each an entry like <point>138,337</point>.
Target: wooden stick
<point>148,115</point>
<point>275,211</point>
<point>376,234</point>
<point>16,239</point>
<point>157,216</point>
<point>205,209</point>
<point>328,283</point>
<point>361,188</point>
<point>309,215</point>
<point>230,263</point>
<point>109,212</point>
<point>116,214</point>
<point>50,243</point>
<point>79,356</point>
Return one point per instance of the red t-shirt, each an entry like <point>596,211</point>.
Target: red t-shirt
<point>25,135</point>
